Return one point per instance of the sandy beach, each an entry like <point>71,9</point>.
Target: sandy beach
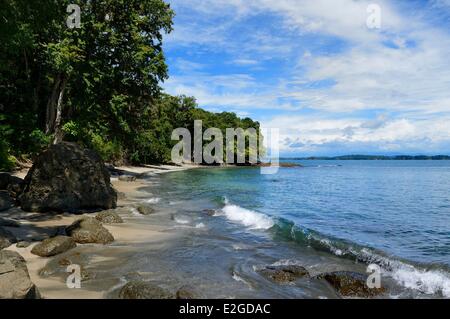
<point>127,235</point>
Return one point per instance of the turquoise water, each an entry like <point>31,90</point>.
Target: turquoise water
<point>392,213</point>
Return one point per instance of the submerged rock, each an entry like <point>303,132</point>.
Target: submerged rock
<point>209,212</point>
<point>127,178</point>
<point>351,284</point>
<point>6,238</point>
<point>89,230</point>
<point>187,292</point>
<point>15,281</point>
<point>109,217</point>
<point>67,178</point>
<point>143,290</point>
<point>285,273</point>
<point>6,202</point>
<point>53,246</point>
<point>145,210</point>
<point>23,244</point>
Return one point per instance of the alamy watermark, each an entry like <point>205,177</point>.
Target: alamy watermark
<point>73,281</point>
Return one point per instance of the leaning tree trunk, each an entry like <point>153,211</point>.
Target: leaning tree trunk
<point>59,133</point>
<point>51,107</point>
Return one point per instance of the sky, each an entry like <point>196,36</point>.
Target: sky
<point>329,74</point>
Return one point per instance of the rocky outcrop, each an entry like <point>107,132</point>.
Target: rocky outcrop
<point>67,178</point>
<point>351,284</point>
<point>109,217</point>
<point>53,246</point>
<point>285,273</point>
<point>143,290</point>
<point>145,210</point>
<point>6,238</point>
<point>12,184</point>
<point>6,202</point>
<point>15,281</point>
<point>89,230</point>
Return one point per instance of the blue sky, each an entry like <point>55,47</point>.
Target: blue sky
<point>315,70</point>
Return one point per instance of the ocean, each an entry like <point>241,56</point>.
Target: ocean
<point>325,216</point>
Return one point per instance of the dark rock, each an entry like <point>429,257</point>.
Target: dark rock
<point>143,290</point>
<point>109,217</point>
<point>6,222</point>
<point>89,230</point>
<point>145,210</point>
<point>127,178</point>
<point>284,274</point>
<point>57,266</point>
<point>351,284</point>
<point>53,246</point>
<point>6,238</point>
<point>15,281</point>
<point>187,292</point>
<point>12,184</point>
<point>209,212</point>
<point>23,244</point>
<point>6,202</point>
<point>67,178</point>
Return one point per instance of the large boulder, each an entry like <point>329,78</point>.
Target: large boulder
<point>89,230</point>
<point>351,284</point>
<point>143,290</point>
<point>53,246</point>
<point>284,273</point>
<point>12,184</point>
<point>15,281</point>
<point>6,202</point>
<point>69,178</point>
<point>109,217</point>
<point>6,238</point>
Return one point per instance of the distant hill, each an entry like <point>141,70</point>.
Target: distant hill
<point>376,157</point>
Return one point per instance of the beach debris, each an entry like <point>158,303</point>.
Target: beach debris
<point>187,292</point>
<point>284,273</point>
<point>6,238</point>
<point>53,246</point>
<point>88,230</point>
<point>127,178</point>
<point>145,210</point>
<point>109,217</point>
<point>6,202</point>
<point>351,284</point>
<point>67,178</point>
<point>143,290</point>
<point>15,280</point>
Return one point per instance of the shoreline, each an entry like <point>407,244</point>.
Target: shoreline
<point>126,235</point>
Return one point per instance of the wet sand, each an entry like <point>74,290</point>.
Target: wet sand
<point>127,235</point>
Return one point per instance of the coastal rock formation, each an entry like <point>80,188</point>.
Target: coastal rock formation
<point>58,266</point>
<point>89,230</point>
<point>6,238</point>
<point>15,281</point>
<point>53,246</point>
<point>351,284</point>
<point>187,292</point>
<point>285,273</point>
<point>67,178</point>
<point>6,202</point>
<point>145,210</point>
<point>143,290</point>
<point>109,217</point>
<point>12,184</point>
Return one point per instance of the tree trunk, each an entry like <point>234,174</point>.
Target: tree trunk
<point>51,107</point>
<point>59,133</point>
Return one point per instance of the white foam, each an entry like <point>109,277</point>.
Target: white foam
<point>200,225</point>
<point>154,200</point>
<point>181,220</point>
<point>246,217</point>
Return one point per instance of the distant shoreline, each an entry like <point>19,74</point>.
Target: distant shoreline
<point>372,158</point>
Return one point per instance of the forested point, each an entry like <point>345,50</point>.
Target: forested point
<point>98,85</point>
